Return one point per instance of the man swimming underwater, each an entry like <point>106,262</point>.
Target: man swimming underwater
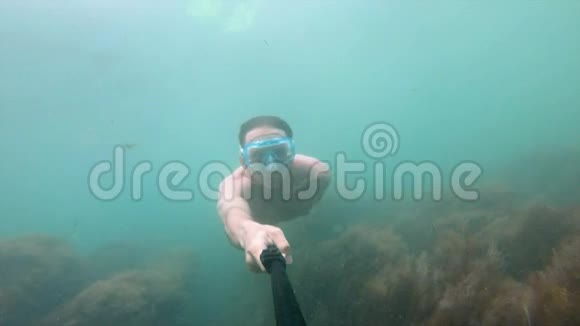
<point>272,185</point>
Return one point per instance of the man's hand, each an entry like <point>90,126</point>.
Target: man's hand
<point>256,238</point>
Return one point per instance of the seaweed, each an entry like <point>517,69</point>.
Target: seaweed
<point>556,290</point>
<point>361,251</point>
<point>465,301</point>
<point>447,263</point>
<point>539,230</point>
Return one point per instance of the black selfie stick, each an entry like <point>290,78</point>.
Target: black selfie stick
<point>285,305</point>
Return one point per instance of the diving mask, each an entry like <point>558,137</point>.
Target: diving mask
<point>269,151</point>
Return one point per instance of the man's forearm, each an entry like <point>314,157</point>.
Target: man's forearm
<point>236,218</point>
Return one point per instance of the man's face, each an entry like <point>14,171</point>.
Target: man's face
<point>261,133</point>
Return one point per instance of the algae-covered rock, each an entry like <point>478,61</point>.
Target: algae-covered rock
<point>156,294</point>
<point>37,273</point>
<point>141,297</point>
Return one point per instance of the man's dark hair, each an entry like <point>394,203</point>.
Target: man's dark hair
<point>263,121</point>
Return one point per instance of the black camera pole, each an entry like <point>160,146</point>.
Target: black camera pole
<point>285,305</point>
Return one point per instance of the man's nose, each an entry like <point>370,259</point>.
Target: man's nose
<point>269,160</point>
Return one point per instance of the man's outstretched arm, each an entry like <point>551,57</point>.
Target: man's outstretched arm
<point>241,228</point>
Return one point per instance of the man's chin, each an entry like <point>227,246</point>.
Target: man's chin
<point>273,181</point>
<point>272,169</point>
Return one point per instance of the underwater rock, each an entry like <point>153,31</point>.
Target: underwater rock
<point>37,273</point>
<point>156,294</point>
<point>141,297</point>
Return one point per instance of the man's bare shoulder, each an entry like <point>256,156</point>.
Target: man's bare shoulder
<point>233,181</point>
<point>310,165</point>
